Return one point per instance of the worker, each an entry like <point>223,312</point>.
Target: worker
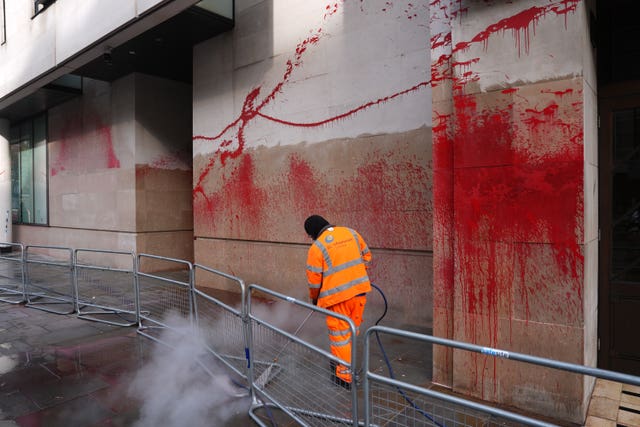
<point>336,271</point>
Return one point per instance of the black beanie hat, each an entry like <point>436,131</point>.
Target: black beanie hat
<point>314,225</point>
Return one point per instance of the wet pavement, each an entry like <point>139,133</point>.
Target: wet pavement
<point>59,370</point>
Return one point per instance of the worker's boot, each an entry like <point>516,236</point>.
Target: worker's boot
<point>336,379</point>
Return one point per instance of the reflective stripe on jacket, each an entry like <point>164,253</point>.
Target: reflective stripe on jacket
<point>336,266</point>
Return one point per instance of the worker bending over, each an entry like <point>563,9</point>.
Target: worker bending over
<point>338,281</point>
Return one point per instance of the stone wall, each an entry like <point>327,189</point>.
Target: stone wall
<point>120,169</point>
<point>309,107</point>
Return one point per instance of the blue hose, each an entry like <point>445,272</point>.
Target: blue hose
<point>386,359</point>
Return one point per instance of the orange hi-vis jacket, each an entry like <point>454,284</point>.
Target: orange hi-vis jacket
<point>337,266</point>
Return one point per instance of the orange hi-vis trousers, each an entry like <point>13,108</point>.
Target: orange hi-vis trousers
<point>340,333</point>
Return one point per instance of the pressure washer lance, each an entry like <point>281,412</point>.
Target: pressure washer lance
<point>263,379</point>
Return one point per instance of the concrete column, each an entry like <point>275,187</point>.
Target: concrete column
<point>5,183</point>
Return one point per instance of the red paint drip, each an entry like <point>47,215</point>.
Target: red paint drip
<point>465,64</point>
<point>559,93</point>
<point>440,40</point>
<point>518,24</point>
<point>540,117</point>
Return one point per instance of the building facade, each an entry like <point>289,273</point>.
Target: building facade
<point>460,138</point>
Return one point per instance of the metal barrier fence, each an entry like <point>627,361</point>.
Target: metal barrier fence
<point>164,297</point>
<point>12,273</point>
<point>104,293</point>
<point>251,337</point>
<point>221,326</point>
<point>390,402</point>
<point>292,374</point>
<point>49,279</point>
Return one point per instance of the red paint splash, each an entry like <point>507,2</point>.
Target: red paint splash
<point>385,197</point>
<point>559,93</point>
<point>517,201</point>
<point>75,155</point>
<point>239,198</point>
<point>540,117</point>
<point>516,213</point>
<point>231,139</point>
<point>521,23</point>
<point>305,186</point>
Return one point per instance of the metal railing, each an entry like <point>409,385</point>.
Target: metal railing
<point>247,329</point>
<point>164,297</point>
<point>220,325</point>
<point>49,279</point>
<point>12,273</point>
<point>104,293</point>
<point>391,402</point>
<point>290,372</point>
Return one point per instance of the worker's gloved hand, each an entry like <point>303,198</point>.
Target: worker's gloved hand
<point>314,301</point>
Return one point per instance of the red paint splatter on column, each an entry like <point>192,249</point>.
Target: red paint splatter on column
<point>514,210</point>
<point>517,196</point>
<point>521,23</point>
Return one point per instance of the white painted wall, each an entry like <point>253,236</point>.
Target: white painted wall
<point>357,53</point>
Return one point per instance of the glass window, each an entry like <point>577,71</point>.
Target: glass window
<point>220,7</point>
<point>29,171</point>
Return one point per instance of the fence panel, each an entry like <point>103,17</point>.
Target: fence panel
<point>49,279</point>
<point>164,297</point>
<point>391,402</point>
<point>220,324</point>
<point>288,371</point>
<point>105,293</point>
<point>12,273</point>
